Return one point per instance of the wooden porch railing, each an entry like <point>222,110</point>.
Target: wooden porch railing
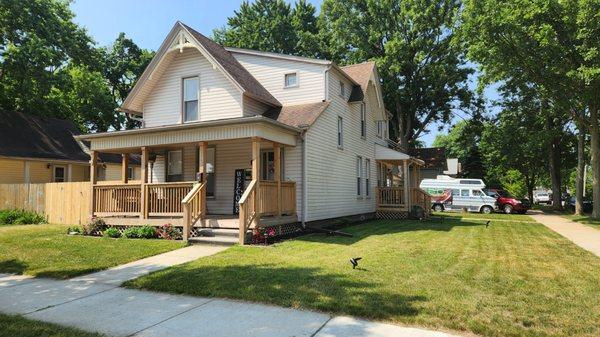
<point>268,198</point>
<point>288,197</point>
<point>164,199</point>
<point>194,208</point>
<point>391,197</point>
<point>248,209</point>
<point>421,198</point>
<point>116,199</point>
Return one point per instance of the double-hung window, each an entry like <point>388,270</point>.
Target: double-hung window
<point>340,132</point>
<point>190,99</point>
<point>358,175</point>
<point>59,174</point>
<point>363,120</point>
<point>367,177</point>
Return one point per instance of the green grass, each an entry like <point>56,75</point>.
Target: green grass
<point>584,219</point>
<point>511,279</point>
<point>46,250</point>
<point>492,216</point>
<point>18,326</point>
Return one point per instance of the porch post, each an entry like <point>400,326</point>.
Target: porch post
<point>203,169</point>
<point>406,185</point>
<point>93,180</point>
<point>277,164</point>
<point>124,167</point>
<point>256,177</point>
<point>144,180</point>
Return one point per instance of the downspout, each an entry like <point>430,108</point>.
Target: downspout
<point>304,194</point>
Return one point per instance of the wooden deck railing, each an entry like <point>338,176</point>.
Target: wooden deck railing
<point>194,208</point>
<point>164,199</point>
<point>268,198</point>
<point>248,209</point>
<point>117,200</point>
<point>390,197</point>
<point>421,198</point>
<point>288,197</point>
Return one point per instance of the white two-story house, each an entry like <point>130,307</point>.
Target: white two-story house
<point>242,138</point>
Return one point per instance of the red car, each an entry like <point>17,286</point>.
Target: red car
<point>507,203</point>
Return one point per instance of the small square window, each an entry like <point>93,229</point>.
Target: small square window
<point>291,80</point>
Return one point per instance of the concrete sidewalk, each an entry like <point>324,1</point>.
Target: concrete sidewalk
<point>584,236</point>
<point>115,311</point>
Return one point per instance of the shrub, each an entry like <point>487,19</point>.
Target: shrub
<point>20,217</point>
<point>167,231</point>
<point>131,233</point>
<point>146,232</point>
<point>112,233</point>
<point>75,230</point>
<point>94,227</point>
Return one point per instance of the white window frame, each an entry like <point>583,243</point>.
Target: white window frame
<point>363,120</point>
<point>184,101</point>
<point>368,177</point>
<point>359,176</point>
<point>340,132</point>
<point>297,84</point>
<point>342,89</point>
<point>64,178</point>
<point>380,129</point>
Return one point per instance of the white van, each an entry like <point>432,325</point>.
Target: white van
<point>458,193</point>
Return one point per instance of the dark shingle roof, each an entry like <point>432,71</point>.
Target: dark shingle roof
<point>361,73</point>
<point>234,68</point>
<point>434,157</point>
<point>299,115</point>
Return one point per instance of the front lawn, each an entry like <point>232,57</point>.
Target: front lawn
<point>511,279</point>
<point>18,326</point>
<point>584,219</point>
<point>46,250</point>
<point>491,216</point>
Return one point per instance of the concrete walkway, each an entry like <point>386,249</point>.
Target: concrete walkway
<point>584,236</point>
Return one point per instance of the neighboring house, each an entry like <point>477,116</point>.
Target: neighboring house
<point>436,162</point>
<point>278,139</point>
<point>42,150</point>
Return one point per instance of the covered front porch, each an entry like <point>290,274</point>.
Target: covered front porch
<point>223,181</point>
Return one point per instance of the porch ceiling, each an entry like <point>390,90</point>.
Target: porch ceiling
<point>235,128</point>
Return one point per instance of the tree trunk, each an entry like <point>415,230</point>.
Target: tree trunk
<point>595,150</point>
<point>580,169</point>
<point>554,165</point>
<point>530,183</point>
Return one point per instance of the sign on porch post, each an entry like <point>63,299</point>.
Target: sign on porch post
<point>238,189</point>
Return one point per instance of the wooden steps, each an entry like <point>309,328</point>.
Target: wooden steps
<point>216,236</point>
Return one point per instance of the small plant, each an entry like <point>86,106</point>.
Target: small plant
<point>167,231</point>
<point>112,233</point>
<point>131,233</point>
<point>75,230</point>
<point>146,232</point>
<point>20,217</point>
<point>94,226</point>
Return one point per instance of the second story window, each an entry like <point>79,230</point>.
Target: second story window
<point>291,80</point>
<point>358,175</point>
<point>342,89</point>
<point>340,133</point>
<point>381,126</point>
<point>363,120</point>
<point>190,99</point>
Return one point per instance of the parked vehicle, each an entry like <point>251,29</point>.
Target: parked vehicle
<point>457,194</point>
<point>588,204</point>
<point>542,198</point>
<point>507,203</point>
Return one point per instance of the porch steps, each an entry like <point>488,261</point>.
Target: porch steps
<point>216,236</point>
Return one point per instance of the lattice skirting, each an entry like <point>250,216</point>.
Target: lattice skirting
<point>392,215</point>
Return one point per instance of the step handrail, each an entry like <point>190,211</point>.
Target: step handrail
<point>248,210</point>
<point>194,208</point>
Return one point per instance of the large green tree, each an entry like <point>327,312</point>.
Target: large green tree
<point>424,71</point>
<point>273,26</point>
<point>462,142</point>
<point>552,44</point>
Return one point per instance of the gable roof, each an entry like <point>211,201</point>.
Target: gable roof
<point>361,74</point>
<point>27,136</point>
<point>434,157</point>
<point>299,115</point>
<point>233,68</point>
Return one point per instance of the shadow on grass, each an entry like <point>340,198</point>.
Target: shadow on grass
<point>13,266</point>
<point>384,227</point>
<point>67,273</point>
<point>297,287</point>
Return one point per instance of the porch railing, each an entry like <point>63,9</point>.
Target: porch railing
<point>110,200</point>
<point>421,198</point>
<point>288,197</point>
<point>248,209</point>
<point>194,208</point>
<point>391,197</point>
<point>164,199</point>
<point>269,199</point>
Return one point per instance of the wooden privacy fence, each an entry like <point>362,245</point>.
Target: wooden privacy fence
<point>65,203</point>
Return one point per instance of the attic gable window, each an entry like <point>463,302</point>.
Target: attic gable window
<point>342,89</point>
<point>291,80</point>
<point>190,99</point>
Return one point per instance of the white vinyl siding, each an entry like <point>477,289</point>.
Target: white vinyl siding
<point>219,97</point>
<point>270,72</point>
<point>253,107</point>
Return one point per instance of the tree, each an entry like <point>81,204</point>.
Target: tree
<point>551,44</point>
<point>424,72</point>
<point>273,26</point>
<point>462,142</point>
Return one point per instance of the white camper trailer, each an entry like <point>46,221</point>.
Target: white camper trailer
<point>458,193</point>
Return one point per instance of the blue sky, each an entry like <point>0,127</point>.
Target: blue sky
<point>147,22</point>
